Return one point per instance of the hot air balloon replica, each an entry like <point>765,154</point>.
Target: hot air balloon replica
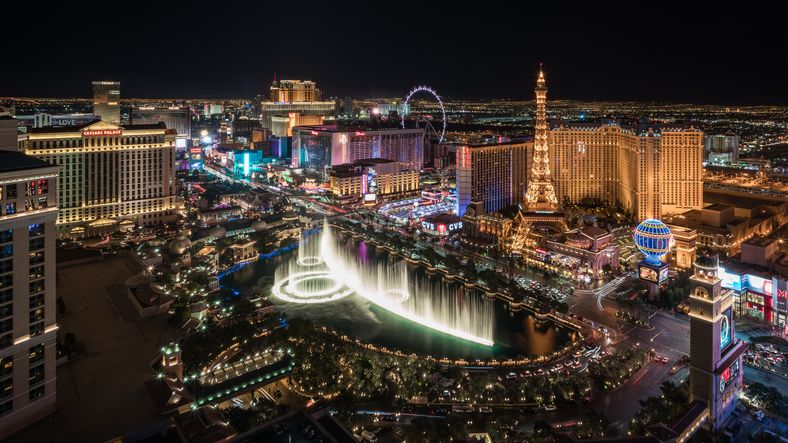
<point>652,238</point>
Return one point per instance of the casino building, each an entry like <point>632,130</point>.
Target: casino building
<point>652,169</point>
<point>317,148</point>
<point>111,177</point>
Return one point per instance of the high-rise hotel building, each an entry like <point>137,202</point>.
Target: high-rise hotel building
<point>317,148</point>
<point>110,175</point>
<point>106,101</point>
<point>492,177</point>
<point>293,103</point>
<point>652,169</point>
<point>28,209</point>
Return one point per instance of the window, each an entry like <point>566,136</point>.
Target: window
<point>6,388</point>
<point>36,229</point>
<point>36,393</point>
<point>36,329</point>
<point>6,235</point>
<point>6,366</point>
<point>36,354</point>
<point>36,375</point>
<point>36,244</point>
<point>10,191</point>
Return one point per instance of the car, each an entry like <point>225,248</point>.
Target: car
<point>550,407</point>
<point>485,409</point>
<point>511,376</point>
<point>558,367</point>
<point>525,373</point>
<point>540,371</point>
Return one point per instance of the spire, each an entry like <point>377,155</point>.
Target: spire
<point>540,194</point>
<point>540,82</point>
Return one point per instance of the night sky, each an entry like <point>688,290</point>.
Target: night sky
<point>610,51</point>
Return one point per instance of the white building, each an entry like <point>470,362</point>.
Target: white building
<point>28,209</point>
<point>109,174</point>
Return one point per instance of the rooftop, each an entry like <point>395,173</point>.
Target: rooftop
<point>16,161</point>
<point>717,207</point>
<point>761,241</point>
<point>739,201</point>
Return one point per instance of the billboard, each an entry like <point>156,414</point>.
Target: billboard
<point>729,375</point>
<point>726,328</point>
<point>663,274</point>
<point>648,274</point>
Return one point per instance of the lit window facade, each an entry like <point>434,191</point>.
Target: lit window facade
<point>653,171</point>
<point>27,290</point>
<point>108,173</point>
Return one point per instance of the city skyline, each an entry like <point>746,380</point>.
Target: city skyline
<point>303,251</point>
<point>590,55</point>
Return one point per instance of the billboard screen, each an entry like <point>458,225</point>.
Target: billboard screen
<point>726,328</point>
<point>648,274</point>
<point>663,274</point>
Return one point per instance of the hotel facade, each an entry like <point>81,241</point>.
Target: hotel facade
<point>28,328</point>
<point>491,177</point>
<point>652,169</point>
<point>110,176</point>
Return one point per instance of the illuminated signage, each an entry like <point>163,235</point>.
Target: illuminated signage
<point>726,328</point>
<point>739,282</point>
<point>441,227</point>
<point>663,274</point>
<point>648,274</point>
<point>729,375</point>
<point>100,132</point>
<point>360,134</point>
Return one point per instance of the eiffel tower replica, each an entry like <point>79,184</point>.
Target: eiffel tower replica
<point>540,205</point>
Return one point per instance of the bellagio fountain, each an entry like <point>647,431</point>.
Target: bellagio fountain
<point>326,270</point>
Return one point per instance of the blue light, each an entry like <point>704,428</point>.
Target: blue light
<point>652,237</point>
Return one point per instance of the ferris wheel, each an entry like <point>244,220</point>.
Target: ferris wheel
<point>437,97</point>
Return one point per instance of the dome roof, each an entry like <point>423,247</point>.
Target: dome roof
<point>218,232</point>
<point>259,225</point>
<point>179,245</point>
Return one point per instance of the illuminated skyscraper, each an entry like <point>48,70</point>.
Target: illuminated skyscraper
<point>293,103</point>
<point>294,91</point>
<point>541,195</point>
<point>110,176</point>
<point>491,177</point>
<point>28,329</point>
<point>106,101</point>
<point>652,169</point>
